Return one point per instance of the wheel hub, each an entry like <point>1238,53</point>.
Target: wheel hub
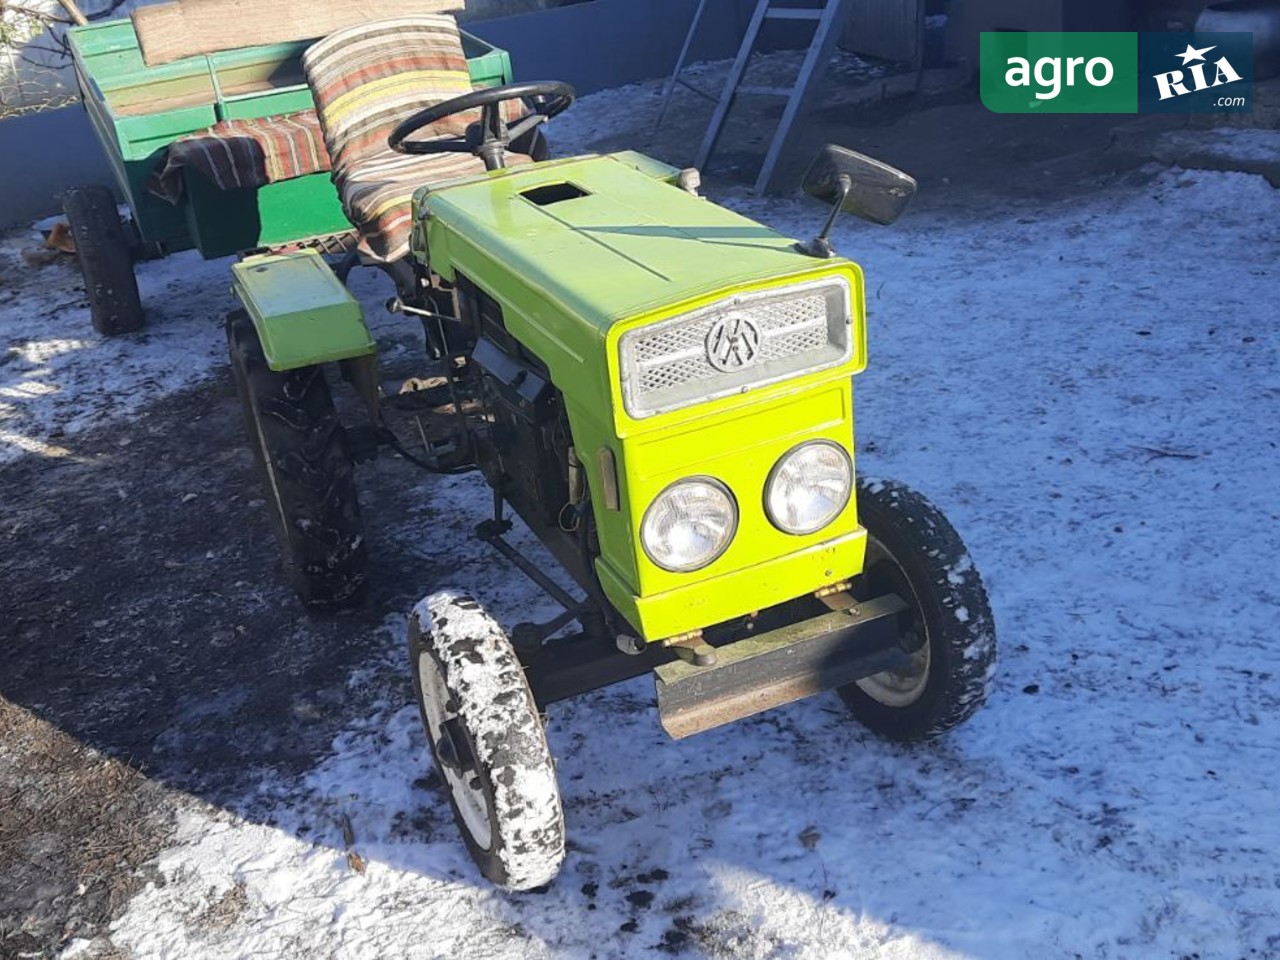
<point>898,688</point>
<point>454,750</point>
<point>454,747</point>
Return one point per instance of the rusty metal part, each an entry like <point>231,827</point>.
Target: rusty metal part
<point>491,533</point>
<point>839,601</point>
<point>681,639</point>
<point>691,648</point>
<point>570,666</point>
<point>698,654</point>
<point>780,666</point>
<point>630,644</point>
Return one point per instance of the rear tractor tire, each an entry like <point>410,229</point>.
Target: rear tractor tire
<point>913,551</point>
<point>307,475</point>
<point>106,263</point>
<point>488,742</point>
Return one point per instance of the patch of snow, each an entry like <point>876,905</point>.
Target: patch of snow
<point>76,947</point>
<point>1239,143</point>
<point>956,574</point>
<point>1034,370</point>
<point>59,377</point>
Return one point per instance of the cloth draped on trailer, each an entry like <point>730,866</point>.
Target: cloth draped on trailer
<point>244,154</point>
<point>365,80</point>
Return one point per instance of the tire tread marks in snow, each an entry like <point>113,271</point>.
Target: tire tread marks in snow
<point>487,685</point>
<point>955,609</point>
<point>297,441</point>
<point>105,262</point>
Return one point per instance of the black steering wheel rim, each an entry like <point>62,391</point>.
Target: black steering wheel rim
<point>558,97</point>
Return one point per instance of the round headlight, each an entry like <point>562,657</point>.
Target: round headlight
<point>809,487</point>
<point>689,524</point>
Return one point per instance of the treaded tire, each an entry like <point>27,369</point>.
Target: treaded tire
<point>504,795</point>
<point>913,550</point>
<point>297,441</point>
<point>106,263</point>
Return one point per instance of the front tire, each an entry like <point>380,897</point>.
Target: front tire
<point>309,480</point>
<point>913,551</point>
<point>488,742</point>
<point>105,261</point>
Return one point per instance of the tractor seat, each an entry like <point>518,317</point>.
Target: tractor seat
<point>366,79</point>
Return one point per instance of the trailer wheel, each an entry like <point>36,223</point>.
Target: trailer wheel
<point>308,477</point>
<point>106,264</point>
<point>912,550</point>
<point>487,740</point>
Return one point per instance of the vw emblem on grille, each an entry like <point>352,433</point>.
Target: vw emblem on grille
<point>733,344</point>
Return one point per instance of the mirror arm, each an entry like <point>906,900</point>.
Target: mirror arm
<point>820,247</point>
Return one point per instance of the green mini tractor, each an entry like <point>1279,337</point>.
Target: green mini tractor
<point>658,388</point>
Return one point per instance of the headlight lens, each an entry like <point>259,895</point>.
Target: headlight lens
<point>689,524</point>
<point>809,487</point>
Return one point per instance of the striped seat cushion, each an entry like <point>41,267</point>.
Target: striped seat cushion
<point>366,80</point>
<point>378,196</point>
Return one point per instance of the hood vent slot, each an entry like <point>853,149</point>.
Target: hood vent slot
<point>550,193</point>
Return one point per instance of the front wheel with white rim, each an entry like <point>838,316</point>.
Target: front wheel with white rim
<point>948,628</point>
<point>487,738</point>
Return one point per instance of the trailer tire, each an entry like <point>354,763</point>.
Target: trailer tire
<point>912,550</point>
<point>487,740</point>
<point>308,477</point>
<point>106,263</point>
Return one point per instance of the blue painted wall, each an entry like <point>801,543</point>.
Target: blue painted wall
<point>608,43</point>
<point>41,155</point>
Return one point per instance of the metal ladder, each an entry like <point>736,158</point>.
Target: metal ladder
<point>675,79</point>
<point>828,19</point>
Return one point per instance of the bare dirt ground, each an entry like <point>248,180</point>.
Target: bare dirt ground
<point>149,641</point>
<point>154,661</point>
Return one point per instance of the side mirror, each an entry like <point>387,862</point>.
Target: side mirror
<point>859,184</point>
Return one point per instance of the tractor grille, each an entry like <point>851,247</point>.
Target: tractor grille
<point>734,345</point>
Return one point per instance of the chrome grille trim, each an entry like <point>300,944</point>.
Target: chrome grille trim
<point>771,335</point>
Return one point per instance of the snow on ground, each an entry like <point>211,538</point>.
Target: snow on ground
<point>1242,142</point>
<point>1090,391</point>
<point>58,376</point>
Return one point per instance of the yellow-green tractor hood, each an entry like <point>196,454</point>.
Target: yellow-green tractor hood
<point>599,265</point>
<point>597,238</point>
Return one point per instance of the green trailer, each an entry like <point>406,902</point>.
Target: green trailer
<point>139,111</point>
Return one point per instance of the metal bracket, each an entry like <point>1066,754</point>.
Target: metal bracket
<point>790,663</point>
<point>692,649</point>
<point>492,530</point>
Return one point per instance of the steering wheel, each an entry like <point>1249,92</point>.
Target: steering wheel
<point>489,139</point>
